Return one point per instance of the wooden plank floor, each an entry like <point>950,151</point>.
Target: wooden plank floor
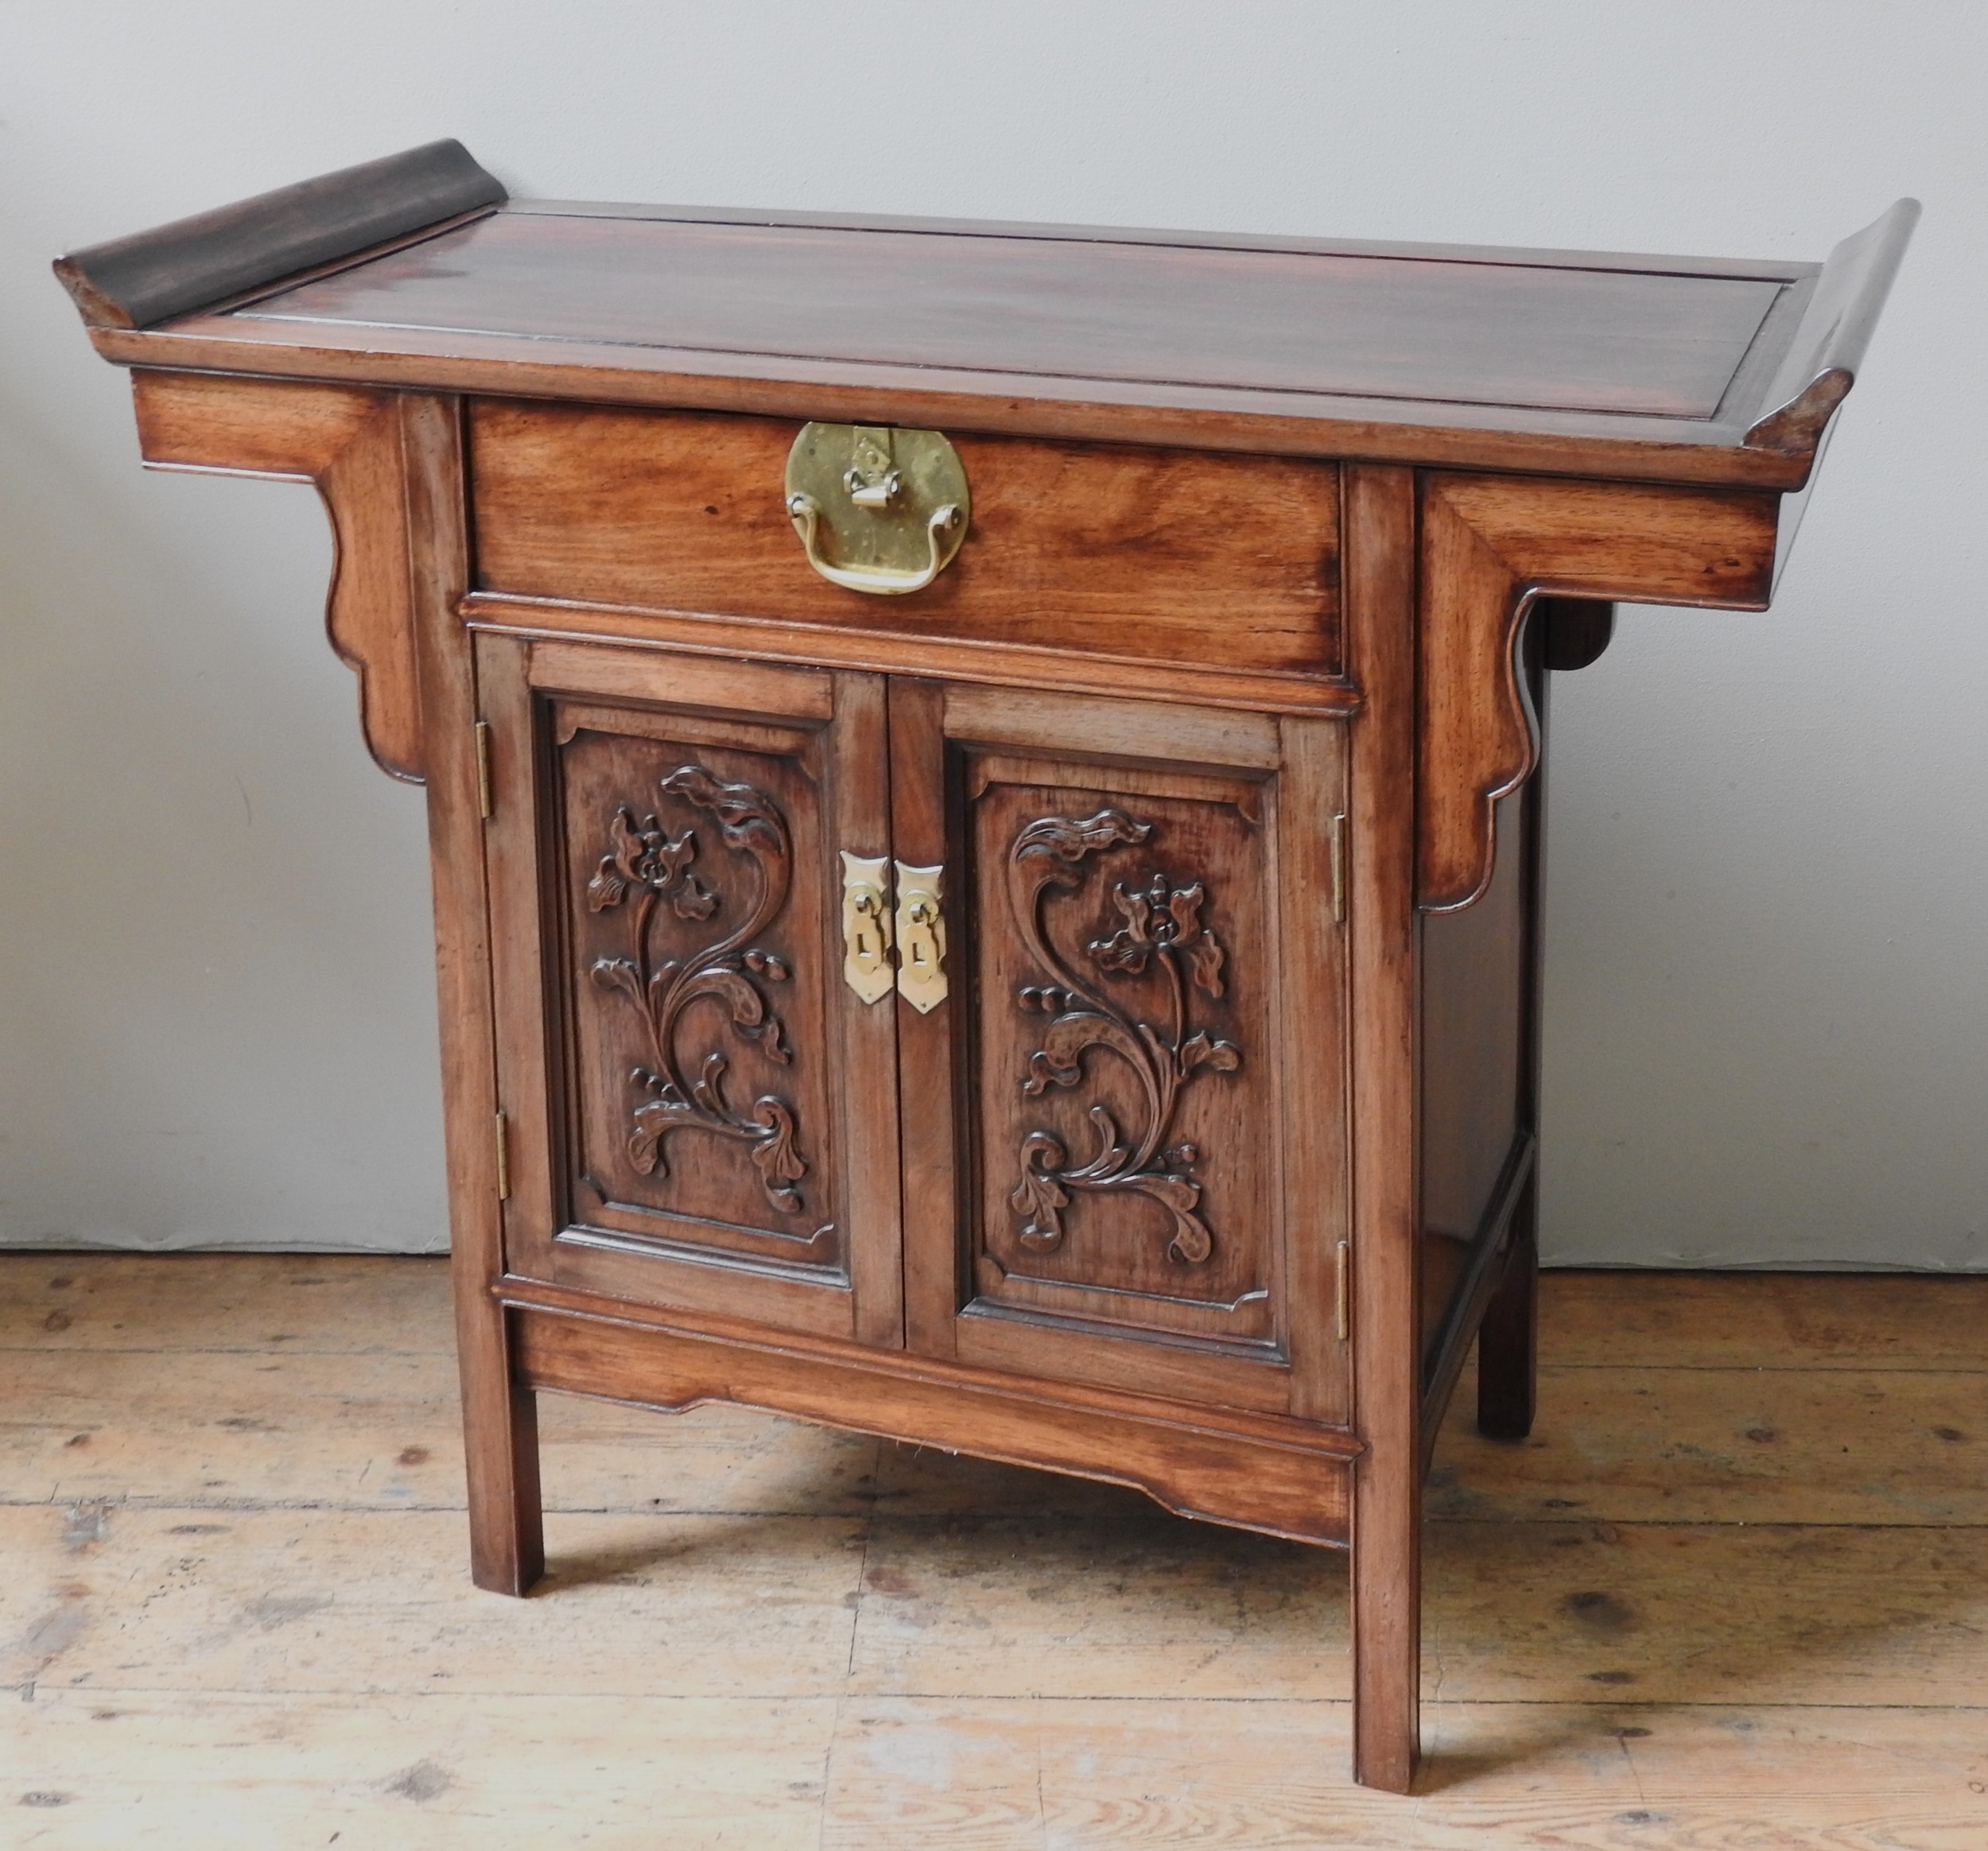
<point>1733,1597</point>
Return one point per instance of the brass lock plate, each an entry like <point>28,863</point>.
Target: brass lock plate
<point>921,937</point>
<point>866,926</point>
<point>878,509</point>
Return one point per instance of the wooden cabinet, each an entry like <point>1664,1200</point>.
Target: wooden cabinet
<point>987,789</point>
<point>1118,1152</point>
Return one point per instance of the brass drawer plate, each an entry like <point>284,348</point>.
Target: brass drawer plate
<point>878,509</point>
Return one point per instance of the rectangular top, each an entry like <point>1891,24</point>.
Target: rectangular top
<point>1534,336</point>
<point>1688,369</point>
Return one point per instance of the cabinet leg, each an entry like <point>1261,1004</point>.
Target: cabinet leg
<point>1387,1626</point>
<point>500,1435</point>
<point>1383,940</point>
<point>1507,1348</point>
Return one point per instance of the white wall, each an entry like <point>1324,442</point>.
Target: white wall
<point>1768,1014</point>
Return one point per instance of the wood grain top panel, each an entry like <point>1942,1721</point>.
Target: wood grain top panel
<point>1467,330</point>
<point>1659,369</point>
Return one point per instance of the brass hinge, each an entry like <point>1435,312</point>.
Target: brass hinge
<point>504,1158</point>
<point>486,807</point>
<point>1339,869</point>
<point>1342,1280</point>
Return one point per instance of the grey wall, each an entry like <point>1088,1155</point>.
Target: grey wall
<point>1768,1010</point>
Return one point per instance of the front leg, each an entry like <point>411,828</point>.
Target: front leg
<point>500,1436</point>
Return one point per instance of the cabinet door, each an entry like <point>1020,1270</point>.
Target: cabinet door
<point>702,1113</point>
<point>1125,1124</point>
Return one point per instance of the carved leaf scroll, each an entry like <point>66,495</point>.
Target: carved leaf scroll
<point>648,867</point>
<point>1160,930</point>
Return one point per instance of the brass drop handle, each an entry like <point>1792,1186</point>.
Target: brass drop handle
<point>806,513</point>
<point>879,509</point>
<point>866,926</point>
<point>921,937</point>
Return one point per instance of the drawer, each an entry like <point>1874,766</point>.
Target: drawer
<point>1178,557</point>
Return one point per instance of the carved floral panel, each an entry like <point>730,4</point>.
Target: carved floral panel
<point>693,974</point>
<point>1127,1080</point>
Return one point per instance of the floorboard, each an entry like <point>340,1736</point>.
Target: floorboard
<point>1732,1596</point>
<point>1637,1444</point>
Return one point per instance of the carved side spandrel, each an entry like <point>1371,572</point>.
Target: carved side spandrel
<point>1490,547</point>
<point>346,440</point>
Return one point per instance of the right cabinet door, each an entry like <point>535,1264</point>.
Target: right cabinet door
<point>1124,1117</point>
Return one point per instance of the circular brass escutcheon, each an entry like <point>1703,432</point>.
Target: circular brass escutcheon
<point>878,508</point>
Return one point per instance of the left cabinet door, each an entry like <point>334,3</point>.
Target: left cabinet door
<point>700,1110</point>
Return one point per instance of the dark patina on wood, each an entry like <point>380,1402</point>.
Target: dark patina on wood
<point>152,276</point>
<point>1822,362</point>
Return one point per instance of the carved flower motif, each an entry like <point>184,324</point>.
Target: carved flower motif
<point>1160,930</point>
<point>649,856</point>
<point>1161,918</point>
<point>646,861</point>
